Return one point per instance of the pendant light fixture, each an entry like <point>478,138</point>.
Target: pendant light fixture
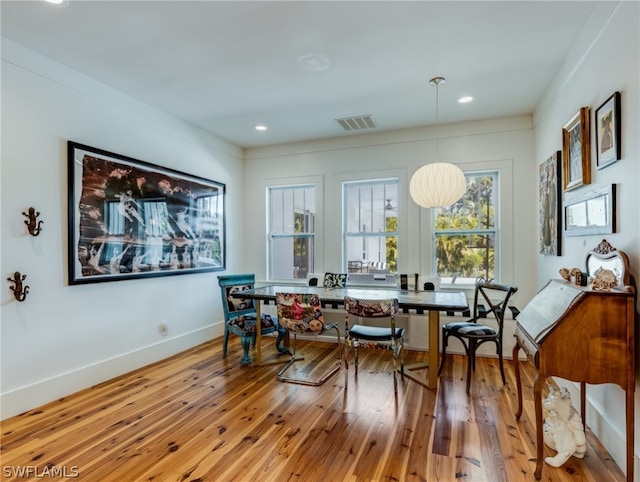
<point>437,184</point>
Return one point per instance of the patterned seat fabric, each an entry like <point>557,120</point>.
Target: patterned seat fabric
<point>335,280</point>
<point>300,313</point>
<point>476,330</point>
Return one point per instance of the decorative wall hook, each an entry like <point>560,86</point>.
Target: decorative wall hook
<point>19,291</point>
<point>33,227</point>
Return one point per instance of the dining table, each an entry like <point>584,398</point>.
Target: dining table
<point>419,302</point>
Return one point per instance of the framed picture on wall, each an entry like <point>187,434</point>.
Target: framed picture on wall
<point>550,196</point>
<point>608,144</point>
<point>592,211</point>
<point>576,155</point>
<point>132,219</point>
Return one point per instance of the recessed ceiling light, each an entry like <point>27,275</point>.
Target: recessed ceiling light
<point>464,100</point>
<point>261,127</point>
<point>57,2</point>
<point>314,62</point>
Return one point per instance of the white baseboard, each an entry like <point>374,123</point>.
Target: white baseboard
<point>613,440</point>
<point>31,396</point>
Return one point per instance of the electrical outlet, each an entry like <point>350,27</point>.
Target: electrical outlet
<point>163,329</point>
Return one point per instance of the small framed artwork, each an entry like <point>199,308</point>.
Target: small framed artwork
<point>550,196</point>
<point>576,157</point>
<point>591,212</point>
<point>132,219</point>
<point>608,146</point>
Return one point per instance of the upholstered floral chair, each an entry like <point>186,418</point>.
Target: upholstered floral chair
<point>300,314</point>
<point>240,316</point>
<point>366,336</point>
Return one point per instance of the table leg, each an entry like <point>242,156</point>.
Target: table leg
<point>280,357</point>
<point>434,347</point>
<point>434,342</point>
<point>258,334</point>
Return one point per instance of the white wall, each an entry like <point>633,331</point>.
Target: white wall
<point>64,338</point>
<point>604,61</point>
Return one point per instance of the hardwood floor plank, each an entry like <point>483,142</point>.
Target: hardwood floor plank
<point>200,417</point>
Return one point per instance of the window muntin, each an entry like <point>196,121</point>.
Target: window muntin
<point>370,225</point>
<point>291,230</point>
<point>466,233</point>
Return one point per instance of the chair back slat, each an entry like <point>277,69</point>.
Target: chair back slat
<point>496,296</point>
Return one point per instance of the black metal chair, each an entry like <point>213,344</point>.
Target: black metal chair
<point>471,333</point>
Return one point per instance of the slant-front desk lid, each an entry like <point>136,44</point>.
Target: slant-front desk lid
<point>541,313</point>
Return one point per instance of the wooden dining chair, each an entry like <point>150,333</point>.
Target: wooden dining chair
<point>300,314</point>
<point>240,316</point>
<point>489,299</point>
<point>390,337</point>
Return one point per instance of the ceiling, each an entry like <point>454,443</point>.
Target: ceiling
<point>296,66</point>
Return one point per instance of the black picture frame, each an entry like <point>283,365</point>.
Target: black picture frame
<point>608,132</point>
<point>592,211</point>
<point>550,197</point>
<point>132,219</point>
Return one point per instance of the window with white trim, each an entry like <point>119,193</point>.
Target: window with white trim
<point>291,230</point>
<point>370,225</point>
<point>466,233</point>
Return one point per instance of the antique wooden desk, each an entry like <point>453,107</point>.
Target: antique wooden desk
<point>409,301</point>
<point>583,335</point>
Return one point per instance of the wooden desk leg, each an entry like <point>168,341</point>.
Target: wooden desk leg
<point>516,369</point>
<point>630,428</point>
<point>537,403</point>
<point>583,404</point>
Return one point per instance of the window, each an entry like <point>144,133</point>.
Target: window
<point>466,233</point>
<point>370,225</point>
<point>292,212</point>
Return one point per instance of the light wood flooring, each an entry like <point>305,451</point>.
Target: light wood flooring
<point>200,417</point>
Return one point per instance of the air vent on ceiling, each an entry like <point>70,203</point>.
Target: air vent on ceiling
<point>357,123</point>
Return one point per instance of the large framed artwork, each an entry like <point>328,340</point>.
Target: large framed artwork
<point>608,138</point>
<point>576,157</point>
<point>550,196</point>
<point>132,219</point>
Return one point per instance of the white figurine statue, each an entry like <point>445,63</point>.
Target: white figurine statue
<point>562,428</point>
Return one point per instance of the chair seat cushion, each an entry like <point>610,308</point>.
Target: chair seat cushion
<point>473,329</point>
<point>455,326</point>
<point>246,324</point>
<point>373,332</point>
